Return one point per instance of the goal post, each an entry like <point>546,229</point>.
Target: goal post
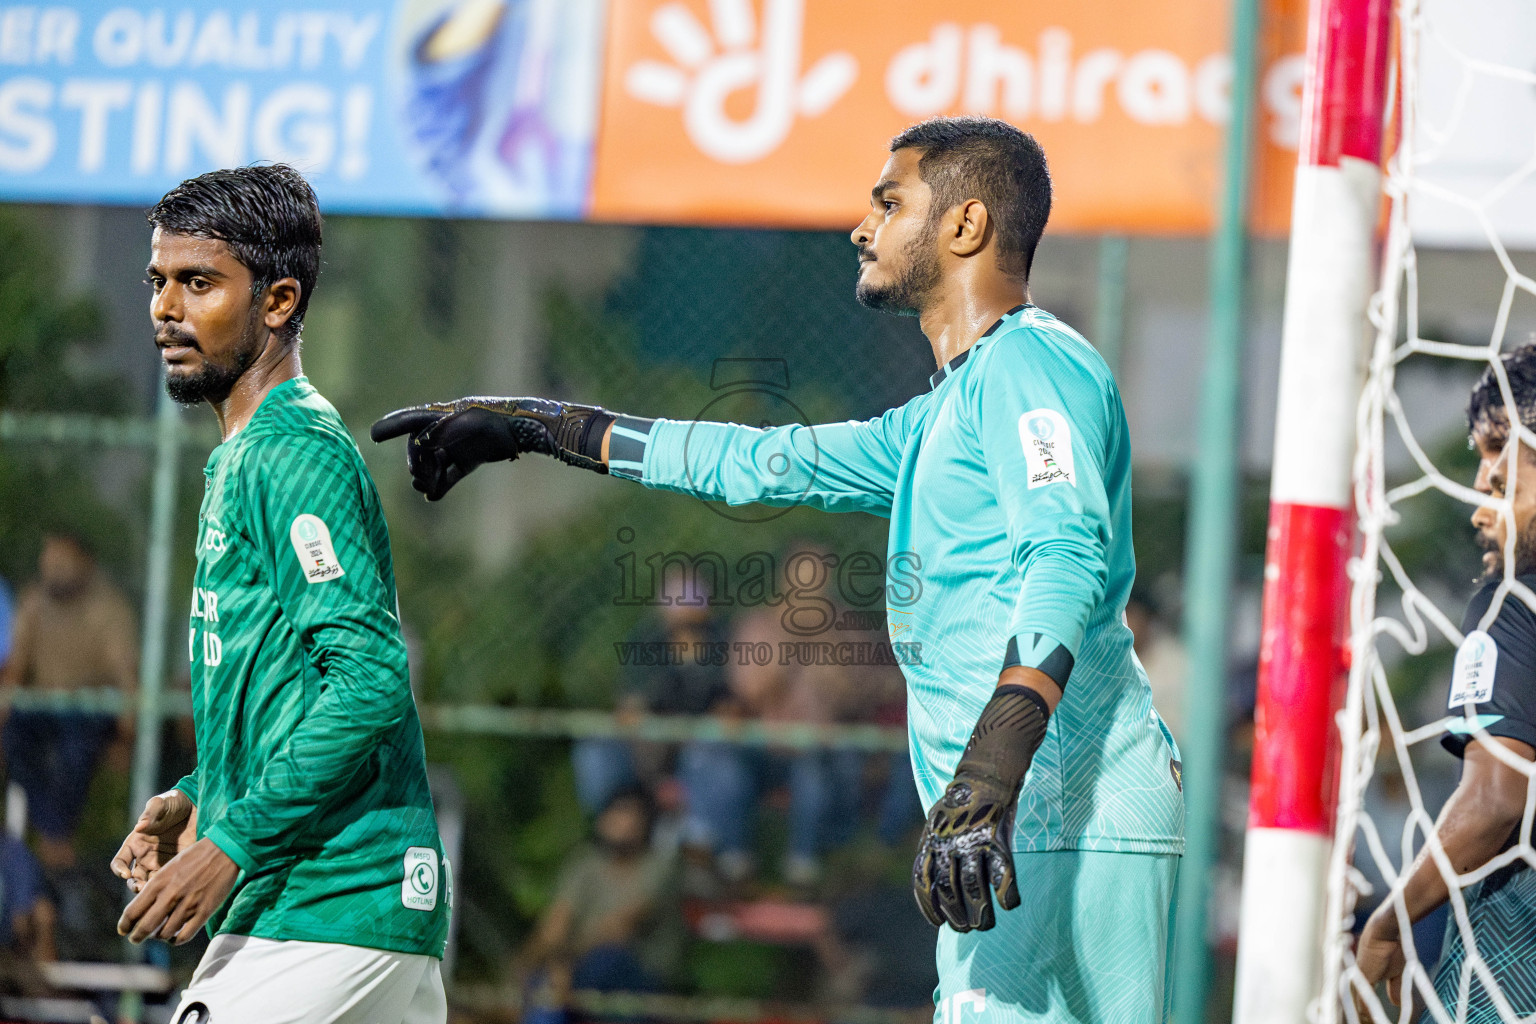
<point>1331,276</point>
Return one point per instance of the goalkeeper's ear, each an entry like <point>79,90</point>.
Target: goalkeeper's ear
<point>404,421</point>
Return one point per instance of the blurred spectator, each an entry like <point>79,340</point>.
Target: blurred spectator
<point>661,675</point>
<point>724,781</point>
<point>900,804</point>
<point>878,950</point>
<point>614,924</point>
<point>73,630</point>
<point>900,808</point>
<point>1162,654</point>
<point>26,920</point>
<point>6,626</point>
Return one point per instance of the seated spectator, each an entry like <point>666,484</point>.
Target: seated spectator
<point>661,675</point>
<point>614,924</point>
<point>725,781</point>
<point>73,630</point>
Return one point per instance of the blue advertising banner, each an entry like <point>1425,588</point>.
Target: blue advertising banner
<point>457,107</point>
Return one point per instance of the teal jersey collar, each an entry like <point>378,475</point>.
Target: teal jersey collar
<point>959,360</point>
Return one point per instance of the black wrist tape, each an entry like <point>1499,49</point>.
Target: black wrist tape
<point>576,432</point>
<point>592,435</point>
<point>1007,734</point>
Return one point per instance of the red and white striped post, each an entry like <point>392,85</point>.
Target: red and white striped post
<point>1330,279</point>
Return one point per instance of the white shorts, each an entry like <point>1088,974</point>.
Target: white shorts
<point>246,980</point>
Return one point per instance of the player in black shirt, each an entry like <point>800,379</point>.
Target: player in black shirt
<point>1493,695</point>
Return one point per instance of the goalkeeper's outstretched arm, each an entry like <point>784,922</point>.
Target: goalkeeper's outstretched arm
<point>848,466</point>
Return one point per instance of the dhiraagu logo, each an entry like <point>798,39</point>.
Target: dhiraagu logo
<point>735,53</point>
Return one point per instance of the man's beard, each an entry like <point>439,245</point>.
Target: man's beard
<point>918,277</point>
<point>211,382</point>
<point>1525,553</point>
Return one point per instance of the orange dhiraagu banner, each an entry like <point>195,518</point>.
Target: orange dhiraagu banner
<point>778,112</point>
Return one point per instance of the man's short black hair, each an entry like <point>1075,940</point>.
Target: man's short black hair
<point>1486,407</point>
<point>990,160</point>
<point>267,215</point>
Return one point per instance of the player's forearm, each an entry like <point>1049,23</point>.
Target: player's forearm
<point>336,740</point>
<point>1061,590</point>
<point>1034,679</point>
<point>728,462</point>
<point>830,467</point>
<point>1472,833</point>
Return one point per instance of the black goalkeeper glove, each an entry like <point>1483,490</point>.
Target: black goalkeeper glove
<point>967,847</point>
<point>449,440</point>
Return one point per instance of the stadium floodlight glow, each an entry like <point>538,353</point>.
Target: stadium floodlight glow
<point>1329,282</point>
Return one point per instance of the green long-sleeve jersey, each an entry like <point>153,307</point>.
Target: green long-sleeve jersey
<point>311,772</point>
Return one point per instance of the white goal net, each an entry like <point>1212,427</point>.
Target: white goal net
<point>1457,290</point>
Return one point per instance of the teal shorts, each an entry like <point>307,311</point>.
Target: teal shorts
<point>1092,943</point>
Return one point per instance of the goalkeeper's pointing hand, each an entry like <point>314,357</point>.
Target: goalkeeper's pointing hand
<point>449,440</point>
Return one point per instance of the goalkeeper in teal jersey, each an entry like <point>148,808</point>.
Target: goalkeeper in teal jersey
<point>305,840</point>
<point>1051,780</point>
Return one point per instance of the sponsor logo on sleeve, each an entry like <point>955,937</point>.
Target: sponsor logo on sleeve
<point>312,543</point>
<point>1047,440</point>
<point>419,889</point>
<point>1477,659</point>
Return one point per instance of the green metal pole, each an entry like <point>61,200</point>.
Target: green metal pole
<point>157,586</point>
<point>1211,539</point>
<point>1109,302</point>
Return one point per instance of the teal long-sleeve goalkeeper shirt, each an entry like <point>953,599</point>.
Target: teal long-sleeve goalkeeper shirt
<point>1008,489</point>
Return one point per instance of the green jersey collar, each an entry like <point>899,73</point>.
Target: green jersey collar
<point>298,386</point>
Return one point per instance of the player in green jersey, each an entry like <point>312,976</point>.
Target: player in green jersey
<point>305,840</point>
<point>1050,778</point>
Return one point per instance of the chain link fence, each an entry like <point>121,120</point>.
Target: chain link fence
<point>533,595</point>
<point>513,590</point>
